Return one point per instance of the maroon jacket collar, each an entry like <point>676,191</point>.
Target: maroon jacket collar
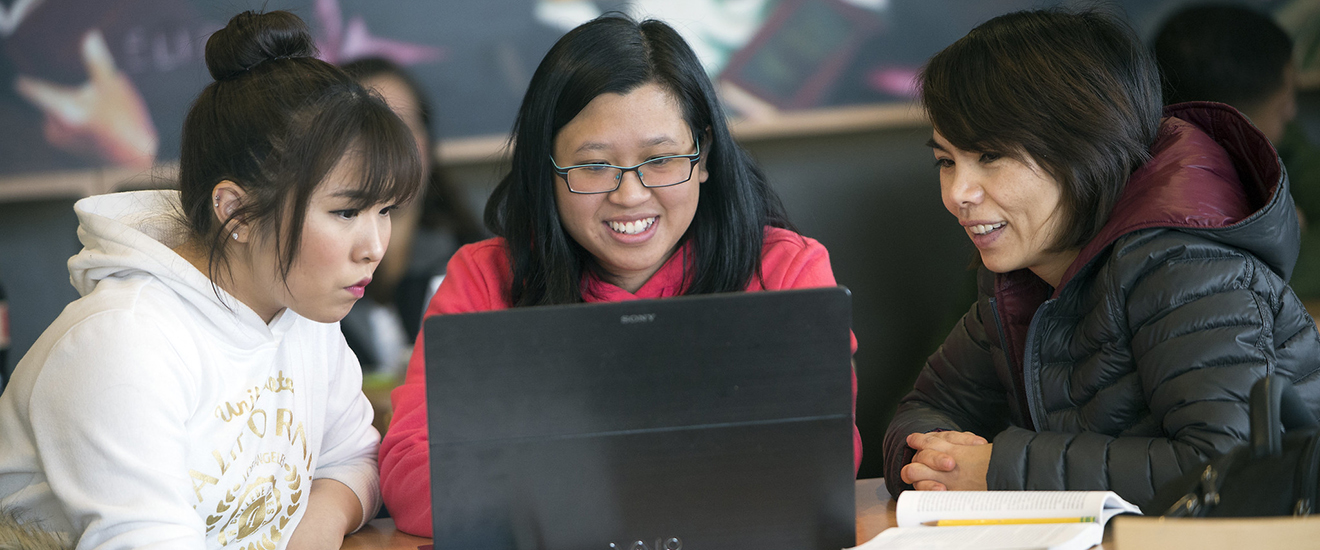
<point>1209,169</point>
<point>1192,179</point>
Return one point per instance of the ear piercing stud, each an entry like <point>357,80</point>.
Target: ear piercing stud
<point>236,235</point>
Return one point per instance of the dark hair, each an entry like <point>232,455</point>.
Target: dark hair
<point>443,206</point>
<point>1225,53</point>
<point>1075,91</point>
<point>275,122</point>
<point>614,54</point>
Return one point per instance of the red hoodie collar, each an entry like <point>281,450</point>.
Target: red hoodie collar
<point>667,282</point>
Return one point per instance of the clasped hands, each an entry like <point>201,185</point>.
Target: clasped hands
<point>948,461</point>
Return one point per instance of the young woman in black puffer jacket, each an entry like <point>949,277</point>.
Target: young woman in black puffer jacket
<point>1135,269</point>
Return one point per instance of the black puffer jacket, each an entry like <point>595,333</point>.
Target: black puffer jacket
<point>1139,365</point>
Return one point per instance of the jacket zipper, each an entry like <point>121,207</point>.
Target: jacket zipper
<point>1029,375</point>
<point>999,327</point>
<point>1008,352</point>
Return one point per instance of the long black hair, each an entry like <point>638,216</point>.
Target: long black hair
<point>614,54</point>
<point>275,122</point>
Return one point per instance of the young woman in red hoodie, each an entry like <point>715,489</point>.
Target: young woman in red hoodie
<point>625,184</point>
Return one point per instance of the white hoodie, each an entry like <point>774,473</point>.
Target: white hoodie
<point>155,414</point>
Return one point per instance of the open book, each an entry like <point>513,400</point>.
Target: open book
<point>1001,520</point>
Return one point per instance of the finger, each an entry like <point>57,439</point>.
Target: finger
<point>96,57</point>
<point>918,440</point>
<point>961,438</point>
<point>60,102</point>
<point>917,471</point>
<point>929,485</point>
<point>935,460</point>
<point>921,442</point>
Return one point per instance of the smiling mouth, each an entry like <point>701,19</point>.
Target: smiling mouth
<point>985,228</point>
<point>634,227</point>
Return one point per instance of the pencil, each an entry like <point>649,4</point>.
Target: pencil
<point>1008,521</point>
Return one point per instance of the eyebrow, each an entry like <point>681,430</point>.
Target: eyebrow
<point>351,194</point>
<point>598,146</point>
<point>935,145</point>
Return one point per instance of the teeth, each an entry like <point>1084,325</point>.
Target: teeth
<point>983,228</point>
<point>633,227</point>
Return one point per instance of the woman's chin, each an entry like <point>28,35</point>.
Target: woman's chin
<point>996,265</point>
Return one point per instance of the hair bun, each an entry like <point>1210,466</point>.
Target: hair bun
<point>252,38</point>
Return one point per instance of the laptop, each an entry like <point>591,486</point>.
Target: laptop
<point>713,422</point>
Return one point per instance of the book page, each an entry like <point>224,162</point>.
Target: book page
<point>916,507</point>
<point>1060,536</point>
<point>1115,505</point>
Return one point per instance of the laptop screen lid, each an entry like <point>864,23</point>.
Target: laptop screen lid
<point>704,422</point>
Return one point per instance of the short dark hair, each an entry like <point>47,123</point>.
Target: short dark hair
<point>1074,90</point>
<point>276,121</point>
<point>614,54</point>
<point>1222,52</point>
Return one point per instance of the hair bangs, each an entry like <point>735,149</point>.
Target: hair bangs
<point>368,134</point>
<point>346,128</point>
<point>391,170</point>
<point>1077,93</point>
<point>964,79</point>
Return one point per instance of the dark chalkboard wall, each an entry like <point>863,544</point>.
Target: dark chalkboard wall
<point>476,56</point>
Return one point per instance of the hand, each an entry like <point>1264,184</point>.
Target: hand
<point>956,461</point>
<point>333,510</point>
<point>105,117</point>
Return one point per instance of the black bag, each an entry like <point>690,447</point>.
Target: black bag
<point>1277,474</point>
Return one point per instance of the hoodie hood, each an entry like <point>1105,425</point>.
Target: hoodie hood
<point>133,234</point>
<point>1211,174</point>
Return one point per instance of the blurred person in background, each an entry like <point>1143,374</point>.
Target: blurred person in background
<point>426,232</point>
<point>1240,56</point>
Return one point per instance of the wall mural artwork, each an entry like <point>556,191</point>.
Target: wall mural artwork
<point>96,83</point>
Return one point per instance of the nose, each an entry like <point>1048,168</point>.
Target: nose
<point>961,189</point>
<point>375,239</point>
<point>631,192</point>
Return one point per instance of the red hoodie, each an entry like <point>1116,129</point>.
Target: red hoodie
<point>478,278</point>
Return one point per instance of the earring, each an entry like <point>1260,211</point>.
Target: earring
<point>236,235</point>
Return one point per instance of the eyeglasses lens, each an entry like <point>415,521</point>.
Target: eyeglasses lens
<point>660,172</point>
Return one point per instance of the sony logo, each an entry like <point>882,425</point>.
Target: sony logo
<point>637,318</point>
<point>671,543</point>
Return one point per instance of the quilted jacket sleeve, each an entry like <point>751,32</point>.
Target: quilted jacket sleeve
<point>956,390</point>
<point>1200,322</point>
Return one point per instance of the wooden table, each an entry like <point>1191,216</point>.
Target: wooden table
<point>875,513</point>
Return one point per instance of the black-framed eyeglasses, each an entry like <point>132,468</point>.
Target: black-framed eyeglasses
<point>588,179</point>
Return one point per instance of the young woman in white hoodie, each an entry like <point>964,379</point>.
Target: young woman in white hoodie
<point>200,393</point>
